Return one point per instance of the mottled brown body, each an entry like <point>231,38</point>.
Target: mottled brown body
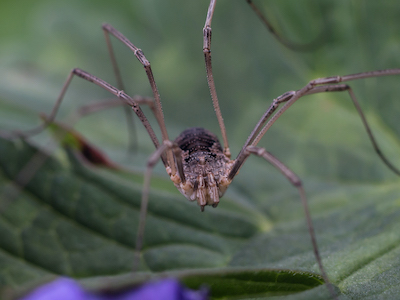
<point>205,166</point>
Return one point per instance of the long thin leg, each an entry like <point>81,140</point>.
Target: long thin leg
<point>281,99</point>
<point>315,86</point>
<point>107,104</point>
<point>318,82</point>
<point>318,41</point>
<point>146,64</point>
<point>207,31</point>
<point>37,160</point>
<point>114,64</point>
<point>123,96</point>
<point>111,103</point>
<point>120,85</point>
<point>120,94</point>
<point>52,114</point>
<point>210,79</point>
<point>92,108</point>
<point>295,180</point>
<point>24,176</point>
<point>153,159</point>
<point>271,109</point>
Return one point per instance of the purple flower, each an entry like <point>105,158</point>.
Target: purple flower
<point>68,289</point>
<point>167,289</point>
<point>61,289</point>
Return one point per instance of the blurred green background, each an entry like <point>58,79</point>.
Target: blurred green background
<point>320,138</point>
<point>43,40</point>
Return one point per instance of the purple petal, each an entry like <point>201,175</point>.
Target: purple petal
<point>68,289</point>
<point>167,289</point>
<point>60,289</point>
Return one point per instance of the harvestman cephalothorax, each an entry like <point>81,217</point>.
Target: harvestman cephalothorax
<point>199,166</point>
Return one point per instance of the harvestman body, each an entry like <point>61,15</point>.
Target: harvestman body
<point>205,167</point>
<point>199,166</point>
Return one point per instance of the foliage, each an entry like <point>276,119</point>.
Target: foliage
<point>75,220</point>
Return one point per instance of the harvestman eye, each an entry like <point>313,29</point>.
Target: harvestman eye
<point>199,165</point>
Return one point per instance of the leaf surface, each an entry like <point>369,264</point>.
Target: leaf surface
<point>78,220</point>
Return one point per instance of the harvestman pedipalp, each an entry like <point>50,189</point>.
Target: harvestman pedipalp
<point>198,165</point>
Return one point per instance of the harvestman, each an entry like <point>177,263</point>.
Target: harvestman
<point>199,166</point>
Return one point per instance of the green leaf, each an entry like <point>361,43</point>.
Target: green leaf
<point>239,283</point>
<point>81,221</point>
